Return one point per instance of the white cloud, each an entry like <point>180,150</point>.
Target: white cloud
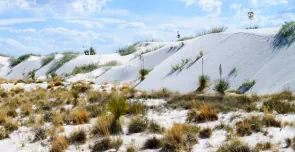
<point>86,23</point>
<point>258,3</point>
<point>167,27</point>
<point>88,5</point>
<point>11,44</point>
<point>133,25</point>
<point>211,6</point>
<point>189,2</point>
<point>19,21</point>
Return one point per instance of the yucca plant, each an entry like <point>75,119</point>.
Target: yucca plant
<point>203,82</point>
<point>143,73</point>
<point>221,86</point>
<point>118,106</point>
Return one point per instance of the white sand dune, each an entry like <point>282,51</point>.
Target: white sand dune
<point>251,52</point>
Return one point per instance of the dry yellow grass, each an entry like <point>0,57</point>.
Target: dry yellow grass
<point>57,119</point>
<point>26,109</point>
<point>80,116</point>
<point>103,125</point>
<point>207,113</point>
<point>59,144</point>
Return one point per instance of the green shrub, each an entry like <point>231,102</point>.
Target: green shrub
<point>286,35</point>
<point>143,73</point>
<point>47,59</point>
<point>111,63</point>
<point>246,86</point>
<point>137,125</point>
<point>246,127</point>
<point>181,65</point>
<point>221,86</point>
<point>128,50</point>
<point>152,143</point>
<point>68,56</point>
<point>15,61</point>
<point>84,69</point>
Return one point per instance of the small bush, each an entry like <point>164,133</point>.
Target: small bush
<point>131,148</point>
<point>152,143</point>
<point>68,56</point>
<point>84,69</point>
<point>205,133</point>
<point>59,144</point>
<point>95,110</point>
<point>47,59</point>
<point>203,82</point>
<point>221,86</point>
<point>77,137</point>
<point>80,116</point>
<point>15,61</point>
<point>106,144</point>
<point>137,125</point>
<point>246,127</point>
<point>234,146</point>
<point>246,86</point>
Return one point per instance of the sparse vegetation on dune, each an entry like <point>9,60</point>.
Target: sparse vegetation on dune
<point>286,36</point>
<point>68,56</point>
<point>128,50</point>
<point>84,69</point>
<point>47,59</point>
<point>210,31</point>
<point>15,61</point>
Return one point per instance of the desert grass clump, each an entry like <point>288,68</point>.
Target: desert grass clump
<point>57,119</point>
<point>118,106</point>
<point>286,35</point>
<point>206,113</point>
<point>263,146</point>
<point>205,133</point>
<point>280,107</point>
<point>221,86</point>
<point>3,134</point>
<point>152,143</point>
<point>178,138</point>
<point>128,50</point>
<point>40,134</point>
<point>3,117</point>
<point>80,116</point>
<point>26,109</point>
<point>95,110</point>
<point>78,137</point>
<point>248,126</point>
<point>106,144</point>
<point>102,126</point>
<point>59,144</point>
<point>234,146</point>
<point>3,93</point>
<point>137,125</point>
<point>203,83</point>
<point>137,109</point>
<point>270,121</point>
<point>17,90</point>
<point>155,128</point>
<point>10,125</point>
<point>132,148</point>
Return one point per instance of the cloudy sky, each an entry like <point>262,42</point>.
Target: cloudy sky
<point>44,26</point>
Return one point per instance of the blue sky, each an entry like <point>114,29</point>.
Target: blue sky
<point>45,26</point>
